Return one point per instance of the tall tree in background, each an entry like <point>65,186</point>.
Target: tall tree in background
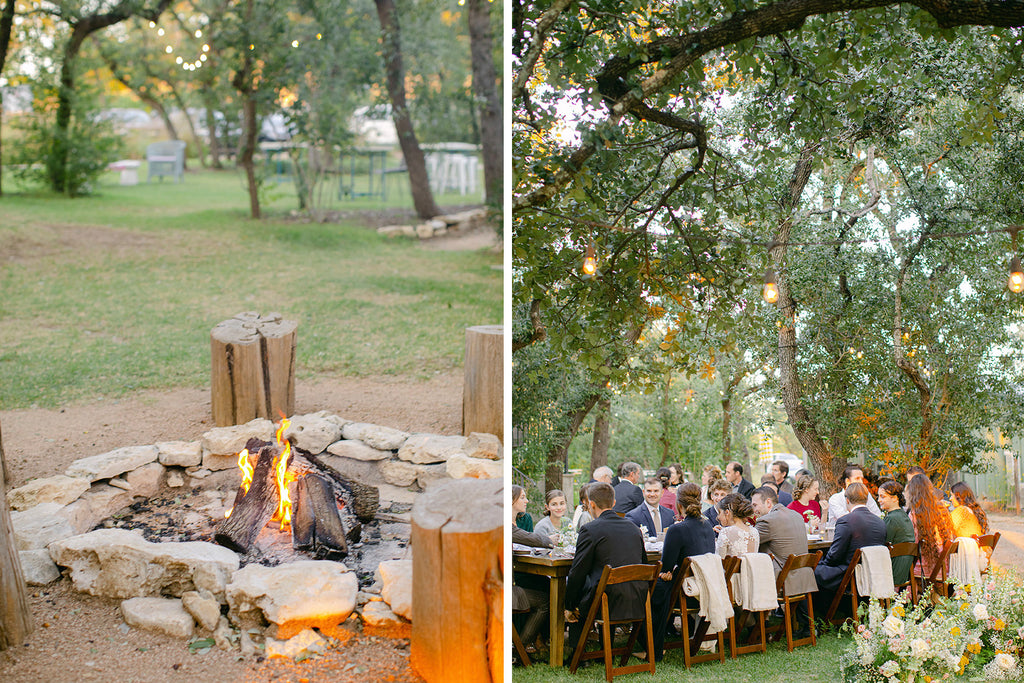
<point>486,89</point>
<point>6,26</point>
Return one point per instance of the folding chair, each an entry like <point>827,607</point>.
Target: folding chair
<point>610,577</point>
<point>988,544</point>
<point>731,565</point>
<point>517,642</point>
<point>847,587</point>
<point>794,562</point>
<point>906,550</point>
<point>938,580</point>
<point>691,642</point>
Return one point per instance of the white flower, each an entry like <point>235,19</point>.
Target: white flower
<point>644,529</point>
<point>980,611</point>
<point>890,668</point>
<point>1005,661</point>
<point>893,626</point>
<point>918,648</point>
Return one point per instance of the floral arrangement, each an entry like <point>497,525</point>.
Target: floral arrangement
<point>977,635</point>
<point>567,535</point>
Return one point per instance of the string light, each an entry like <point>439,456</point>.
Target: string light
<point>590,260</point>
<point>770,291</point>
<point>1016,283</point>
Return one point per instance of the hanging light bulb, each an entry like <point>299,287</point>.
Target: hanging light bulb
<point>590,261</point>
<point>1016,283</point>
<point>770,292</point>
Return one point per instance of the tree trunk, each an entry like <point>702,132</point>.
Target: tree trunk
<point>419,183</point>
<point>665,437</point>
<point>556,456</point>
<point>248,149</point>
<point>457,597</point>
<point>6,25</point>
<point>486,90</point>
<point>15,615</point>
<point>602,435</point>
<point>214,138</point>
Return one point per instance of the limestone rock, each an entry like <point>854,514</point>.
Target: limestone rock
<point>203,608</point>
<point>180,453</point>
<point>461,466</point>
<point>59,489</point>
<point>306,594</point>
<point>375,436</point>
<point>365,471</point>
<point>398,473</point>
<point>145,481</point>
<point>306,642</point>
<point>357,450</point>
<point>424,231</point>
<point>314,432</point>
<point>426,449</point>
<point>396,577</point>
<point>175,479</point>
<point>222,444</point>
<point>40,526</point>
<point>80,516</point>
<point>222,633</point>
<point>465,220</point>
<point>428,474</point>
<point>377,613</point>
<point>37,567</point>
<point>120,483</point>
<point>118,563</point>
<point>104,500</point>
<point>394,230</point>
<point>164,615</point>
<point>112,463</point>
<point>480,445</point>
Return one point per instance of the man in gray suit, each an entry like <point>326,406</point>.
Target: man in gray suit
<point>783,533</point>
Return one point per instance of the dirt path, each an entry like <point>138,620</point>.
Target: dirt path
<point>1010,551</point>
<point>84,638</point>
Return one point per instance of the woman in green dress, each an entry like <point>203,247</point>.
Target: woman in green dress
<point>898,527</point>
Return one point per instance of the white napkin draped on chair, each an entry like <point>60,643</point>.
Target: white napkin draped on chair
<point>708,585</point>
<point>967,563</point>
<point>874,573</point>
<point>753,587</point>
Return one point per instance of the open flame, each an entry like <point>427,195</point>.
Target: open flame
<point>282,477</point>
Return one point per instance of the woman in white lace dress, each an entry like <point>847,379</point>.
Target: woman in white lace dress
<point>737,535</point>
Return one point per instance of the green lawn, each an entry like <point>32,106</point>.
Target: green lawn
<point>108,294</point>
<point>819,663</point>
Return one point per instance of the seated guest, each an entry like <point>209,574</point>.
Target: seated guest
<point>853,474</point>
<point>523,519</point>
<point>856,529</point>
<point>780,474</point>
<point>914,471</point>
<point>734,475</point>
<point>581,516</point>
<point>898,527</point>
<point>709,474</point>
<point>737,537</point>
<point>805,500</point>
<point>692,536</point>
<point>603,474</point>
<point>554,510</point>
<point>968,517</point>
<point>608,540</point>
<point>668,489</point>
<point>649,514</point>
<point>933,527</point>
<point>784,498</point>
<point>527,592</point>
<point>720,488</point>
<point>627,494</point>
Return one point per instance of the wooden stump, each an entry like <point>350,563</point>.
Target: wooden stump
<point>15,616</point>
<point>252,368</point>
<point>483,397</point>
<point>457,600</point>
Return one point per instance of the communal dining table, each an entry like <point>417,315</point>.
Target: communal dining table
<point>555,566</point>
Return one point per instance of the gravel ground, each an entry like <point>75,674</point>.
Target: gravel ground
<point>83,638</point>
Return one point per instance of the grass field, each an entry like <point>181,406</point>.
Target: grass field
<point>116,292</point>
<point>819,663</point>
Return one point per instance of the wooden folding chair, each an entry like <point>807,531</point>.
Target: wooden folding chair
<point>906,550</point>
<point>988,544</point>
<point>731,565</point>
<point>794,562</point>
<point>938,580</point>
<point>691,642</point>
<point>517,642</point>
<point>847,587</point>
<point>610,577</point>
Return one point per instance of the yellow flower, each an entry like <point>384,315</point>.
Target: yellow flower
<point>999,625</point>
<point>899,611</point>
<point>963,606</point>
<point>964,661</point>
<point>967,588</point>
<point>974,648</point>
<point>955,630</point>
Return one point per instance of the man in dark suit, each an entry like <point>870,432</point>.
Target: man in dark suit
<point>627,494</point>
<point>717,490</point>
<point>650,515</point>
<point>784,498</point>
<point>608,540</point>
<point>734,475</point>
<point>857,529</point>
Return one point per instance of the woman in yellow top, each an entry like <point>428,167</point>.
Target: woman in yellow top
<point>968,517</point>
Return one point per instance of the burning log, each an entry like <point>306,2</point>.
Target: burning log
<point>253,507</point>
<point>316,525</point>
<point>365,498</point>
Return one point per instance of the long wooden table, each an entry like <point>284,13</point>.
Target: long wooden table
<point>557,569</point>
